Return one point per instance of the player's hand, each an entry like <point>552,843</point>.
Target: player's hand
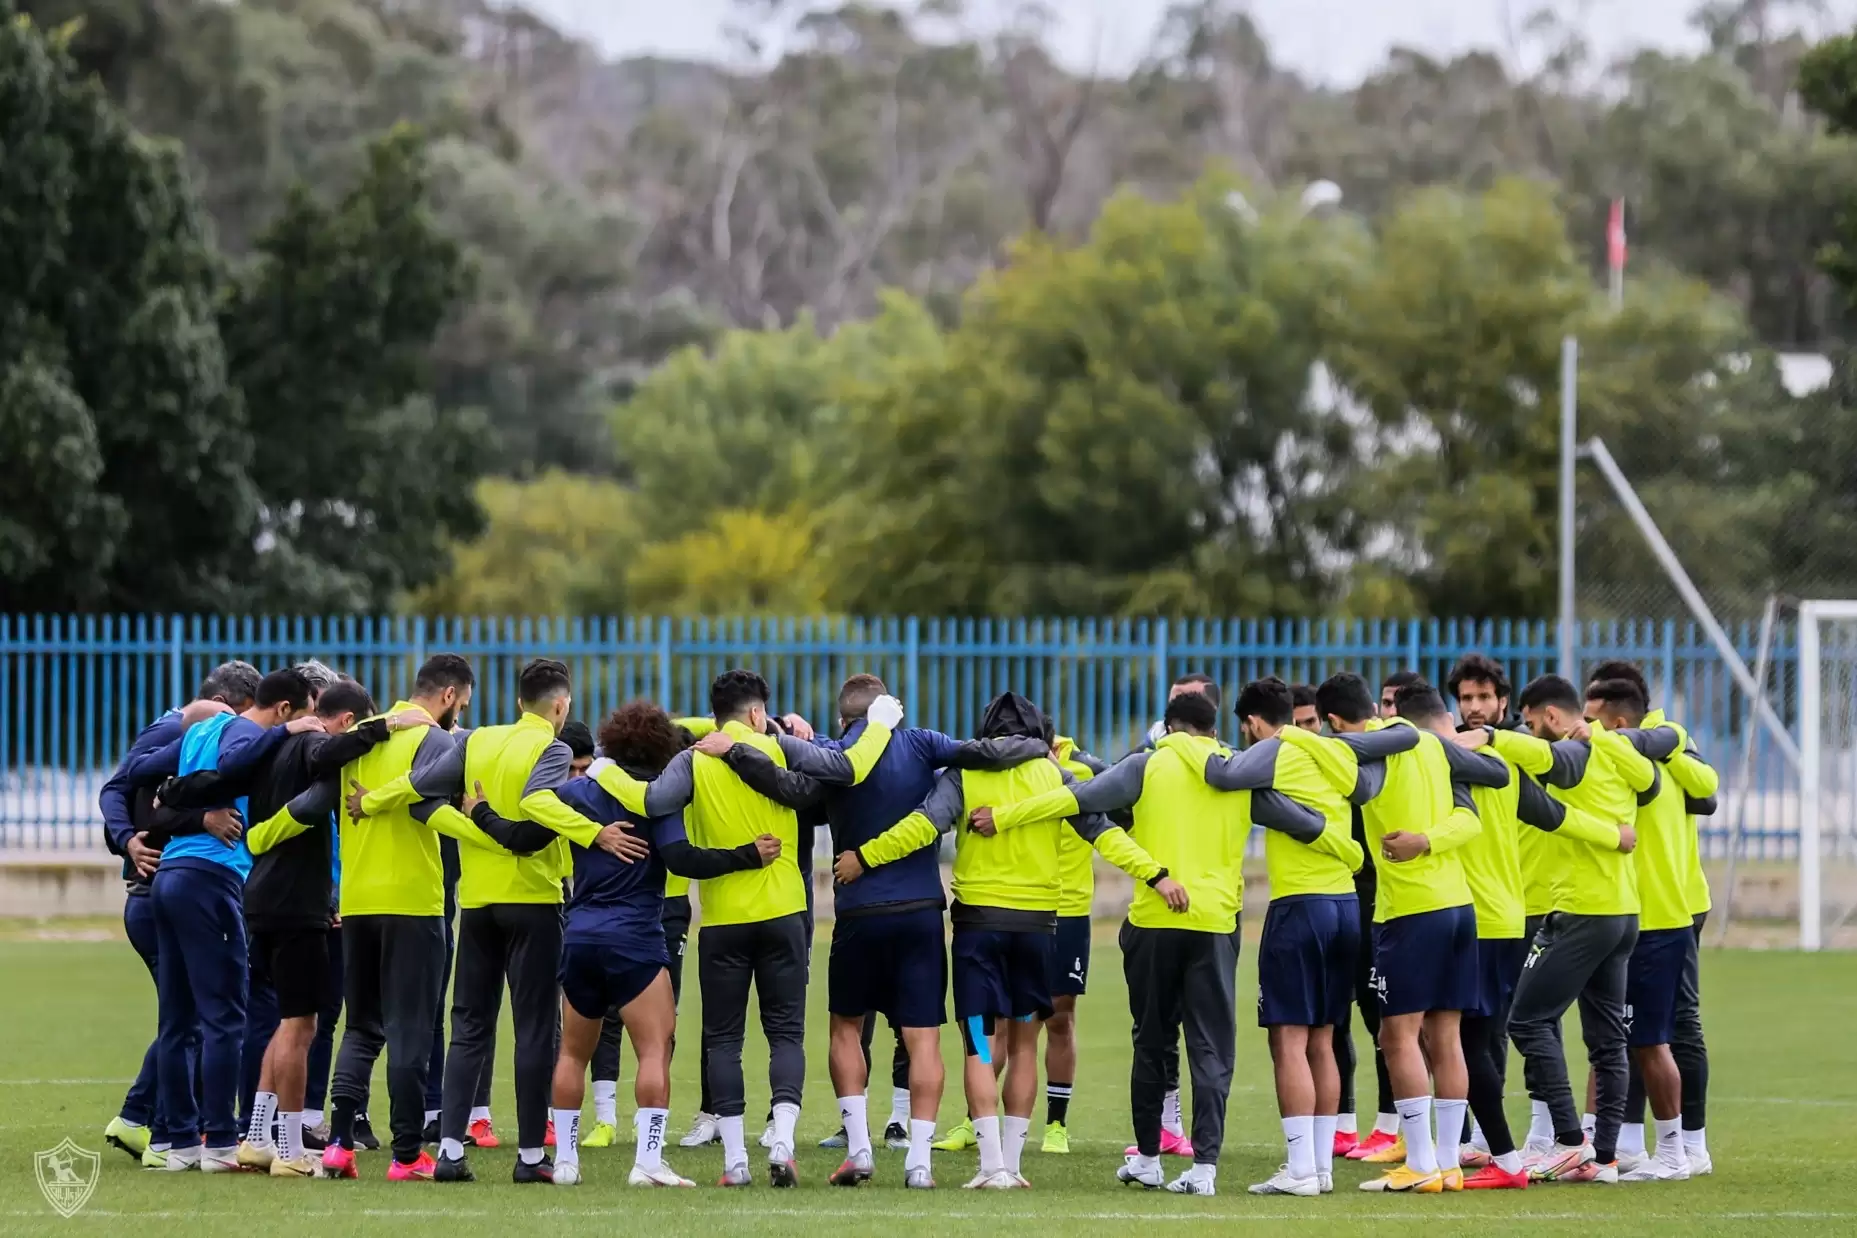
<point>980,821</point>
<point>1581,730</point>
<point>200,711</point>
<point>1174,893</point>
<point>308,722</point>
<point>768,847</point>
<point>886,711</point>
<point>224,824</point>
<point>145,858</point>
<point>797,727</point>
<point>618,841</point>
<point>1400,846</point>
<point>847,868</point>
<point>472,799</point>
<point>1476,737</point>
<point>356,793</point>
<point>1627,838</point>
<point>1157,733</point>
<point>715,743</point>
<point>408,719</point>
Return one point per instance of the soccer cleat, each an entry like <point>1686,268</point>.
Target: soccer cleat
<point>1469,1157</point>
<point>1453,1178</point>
<point>1650,1169</point>
<point>180,1160</point>
<point>1346,1142</point>
<point>315,1139</point>
<point>1555,1165</point>
<point>1281,1183</point>
<point>1133,1173</point>
<point>430,1133</point>
<point>1376,1141</point>
<point>855,1171</point>
<point>837,1139</point>
<point>339,1162</point>
<point>1057,1139</point>
<point>1003,1180</point>
<point>767,1137</point>
<point>736,1175</point>
<point>453,1169</point>
<point>601,1136</point>
<point>421,1170</point>
<point>919,1180</point>
<point>896,1137</point>
<point>364,1134</point>
<point>1592,1171</point>
<point>541,1171</point>
<point>548,1136</point>
<point>569,1175</point>
<point>1700,1164</point>
<point>1392,1154</point>
<point>254,1158</point>
<point>663,1175</point>
<point>222,1161</point>
<point>481,1134</point>
<point>960,1139</point>
<point>1493,1177</point>
<point>1326,1180</point>
<point>703,1131</point>
<point>1188,1183</point>
<point>131,1139</point>
<point>1404,1179</point>
<point>781,1170</point>
<point>1176,1145</point>
<point>304,1166</point>
<point>154,1158</point>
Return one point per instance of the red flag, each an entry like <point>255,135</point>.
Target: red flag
<point>1615,236</point>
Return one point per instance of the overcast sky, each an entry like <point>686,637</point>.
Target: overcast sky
<point>1336,41</point>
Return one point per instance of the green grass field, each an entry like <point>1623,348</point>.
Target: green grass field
<point>75,1016</point>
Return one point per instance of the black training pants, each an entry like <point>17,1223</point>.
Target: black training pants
<point>770,957</point>
<point>393,979</point>
<point>1181,978</point>
<point>520,943</point>
<point>1368,1002</point>
<point>1584,959</point>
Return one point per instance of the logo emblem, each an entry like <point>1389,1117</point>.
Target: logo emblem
<point>67,1175</point>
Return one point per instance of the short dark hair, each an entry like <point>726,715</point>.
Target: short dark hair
<point>1399,679</point>
<point>1209,687</point>
<point>542,680</point>
<point>1302,694</point>
<point>640,735</point>
<point>1418,702</point>
<point>1268,699</point>
<point>1193,710</point>
<point>1621,694</point>
<point>856,694</point>
<point>344,696</point>
<point>735,692</point>
<point>1477,668</point>
<point>1347,697</point>
<point>1618,668</point>
<point>1550,690</point>
<point>235,683</point>
<point>442,671</point>
<point>289,686</point>
<point>578,737</point>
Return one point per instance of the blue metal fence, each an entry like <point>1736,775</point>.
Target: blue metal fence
<point>75,689</point>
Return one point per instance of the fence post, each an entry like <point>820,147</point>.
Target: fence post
<point>912,662</point>
<point>664,663</point>
<point>174,661</point>
<point>1160,661</point>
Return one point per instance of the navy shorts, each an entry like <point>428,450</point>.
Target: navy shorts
<point>1002,974</point>
<point>597,979</point>
<point>893,963</point>
<point>1499,966</point>
<point>1426,962</point>
<point>1070,957</point>
<point>1305,965</point>
<point>1651,982</point>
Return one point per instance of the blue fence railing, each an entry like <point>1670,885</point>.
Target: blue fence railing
<point>75,689</point>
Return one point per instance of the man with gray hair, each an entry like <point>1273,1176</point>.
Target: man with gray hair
<point>321,678</point>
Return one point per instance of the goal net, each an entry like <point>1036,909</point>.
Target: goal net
<point>1827,773</point>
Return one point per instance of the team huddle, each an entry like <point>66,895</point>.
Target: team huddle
<point>297,857</point>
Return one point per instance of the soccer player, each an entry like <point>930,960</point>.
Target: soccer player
<point>1006,895</point>
<point>1582,949</point>
<point>140,1126</point>
<point>579,740</point>
<point>1070,958</point>
<point>1304,713</point>
<point>1699,783</point>
<point>1424,951</point>
<point>1389,691</point>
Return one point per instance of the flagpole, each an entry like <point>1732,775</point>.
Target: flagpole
<point>1615,251</point>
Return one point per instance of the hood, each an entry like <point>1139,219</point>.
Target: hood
<point>1011,714</point>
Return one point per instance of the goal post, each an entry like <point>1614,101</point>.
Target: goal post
<point>1827,764</point>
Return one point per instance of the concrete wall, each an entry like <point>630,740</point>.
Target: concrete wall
<point>43,884</point>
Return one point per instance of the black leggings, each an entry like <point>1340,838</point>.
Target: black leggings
<point>899,1058</point>
<point>1486,1048</point>
<point>1368,1000</point>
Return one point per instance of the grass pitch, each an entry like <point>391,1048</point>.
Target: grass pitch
<point>76,1015</point>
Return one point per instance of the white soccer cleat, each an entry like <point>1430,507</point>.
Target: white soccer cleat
<point>181,1160</point>
<point>919,1180</point>
<point>1701,1165</point>
<point>1282,1183</point>
<point>1134,1173</point>
<point>1192,1183</point>
<point>703,1131</point>
<point>663,1175</point>
<point>767,1136</point>
<point>1000,1180</point>
<point>222,1161</point>
<point>566,1175</point>
<point>1326,1180</point>
<point>1651,1169</point>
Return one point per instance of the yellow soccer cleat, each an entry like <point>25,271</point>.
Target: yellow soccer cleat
<point>304,1166</point>
<point>601,1136</point>
<point>960,1139</point>
<point>1393,1154</point>
<point>1403,1179</point>
<point>1057,1139</point>
<point>131,1139</point>
<point>1453,1179</point>
<point>251,1157</point>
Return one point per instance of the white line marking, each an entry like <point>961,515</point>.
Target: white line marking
<point>1239,1216</point>
<point>58,1083</point>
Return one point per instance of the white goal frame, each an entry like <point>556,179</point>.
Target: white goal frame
<point>1811,765</point>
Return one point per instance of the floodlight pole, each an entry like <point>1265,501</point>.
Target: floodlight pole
<point>1569,456</point>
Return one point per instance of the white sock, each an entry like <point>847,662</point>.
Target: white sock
<point>734,1143</point>
<point>1346,1124</point>
<point>899,1107</point>
<point>451,1149</point>
<point>1170,1114</point>
<point>1588,1124</point>
<point>1299,1140</point>
<point>986,1134</point>
<point>921,1133</point>
<point>1386,1123</point>
<point>1450,1118</point>
<point>1696,1142</point>
<point>1510,1162</point>
<point>1631,1138</point>
<point>1540,1123</point>
<point>1012,1132</point>
<point>605,1101</point>
<point>312,1118</point>
<point>532,1156</point>
<point>1478,1139</point>
<point>567,1136</point>
<point>1670,1148</point>
<point>650,1125</point>
<point>431,1116</point>
<point>786,1117</point>
<point>263,1107</point>
<point>853,1111</point>
<point>290,1141</point>
<point>1324,1143</point>
<point>1415,1125</point>
<point>480,1114</point>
